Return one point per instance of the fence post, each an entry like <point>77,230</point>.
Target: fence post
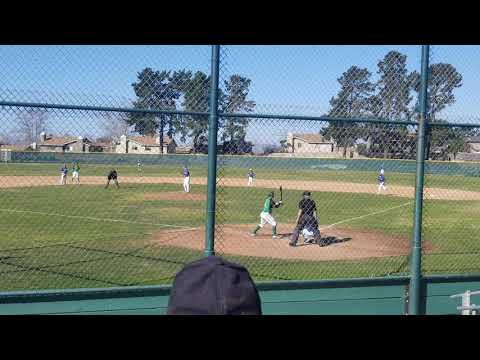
<point>414,305</point>
<point>212,153</point>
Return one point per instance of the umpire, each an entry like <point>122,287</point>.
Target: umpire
<point>112,176</point>
<point>306,217</point>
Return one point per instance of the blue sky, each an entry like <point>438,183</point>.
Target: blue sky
<point>285,79</point>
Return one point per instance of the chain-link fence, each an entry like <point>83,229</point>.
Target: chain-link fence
<point>452,172</point>
<point>364,226</point>
<point>65,231</point>
<point>340,122</point>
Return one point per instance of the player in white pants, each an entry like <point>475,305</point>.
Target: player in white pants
<point>186,179</point>
<point>251,175</point>
<point>266,215</point>
<point>63,174</point>
<point>381,183</point>
<point>76,172</point>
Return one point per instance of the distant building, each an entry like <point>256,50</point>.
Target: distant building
<point>102,146</point>
<point>183,150</point>
<point>52,143</point>
<point>309,144</point>
<point>474,144</point>
<point>14,147</point>
<point>144,145</point>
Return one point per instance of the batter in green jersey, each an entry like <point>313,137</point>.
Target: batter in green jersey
<point>266,215</point>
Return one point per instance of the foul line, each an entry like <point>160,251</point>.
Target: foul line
<point>93,218</point>
<point>364,216</point>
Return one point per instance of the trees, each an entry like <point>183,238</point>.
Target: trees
<point>448,140</point>
<point>195,90</point>
<point>284,145</point>
<point>234,100</point>
<point>154,90</point>
<point>115,125</point>
<point>351,101</point>
<point>390,98</point>
<point>167,90</point>
<point>393,95</point>
<point>443,79</point>
<point>391,101</point>
<point>31,123</point>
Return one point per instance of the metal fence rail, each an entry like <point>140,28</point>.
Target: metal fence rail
<point>384,138</point>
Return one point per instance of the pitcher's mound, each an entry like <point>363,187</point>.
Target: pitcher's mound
<point>343,244</point>
<point>175,196</point>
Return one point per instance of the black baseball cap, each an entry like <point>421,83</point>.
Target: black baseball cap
<point>214,286</point>
<point>306,193</point>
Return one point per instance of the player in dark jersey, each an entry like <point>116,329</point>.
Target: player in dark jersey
<point>112,175</point>
<point>306,218</point>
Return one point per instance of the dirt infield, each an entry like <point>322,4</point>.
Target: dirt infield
<point>175,196</point>
<point>321,186</point>
<point>344,244</point>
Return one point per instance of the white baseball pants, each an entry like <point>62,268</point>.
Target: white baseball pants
<point>267,218</point>
<point>186,184</point>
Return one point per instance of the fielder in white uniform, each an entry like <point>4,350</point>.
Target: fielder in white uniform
<point>186,179</point>
<point>63,174</point>
<point>251,175</point>
<point>381,182</point>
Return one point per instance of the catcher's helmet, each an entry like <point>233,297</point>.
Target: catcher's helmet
<point>271,194</point>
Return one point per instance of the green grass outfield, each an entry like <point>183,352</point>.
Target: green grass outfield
<point>86,236</point>
<point>449,181</point>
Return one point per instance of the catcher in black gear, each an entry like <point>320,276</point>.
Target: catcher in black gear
<point>112,175</point>
<point>306,218</point>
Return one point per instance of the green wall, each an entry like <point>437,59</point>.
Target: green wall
<point>344,297</point>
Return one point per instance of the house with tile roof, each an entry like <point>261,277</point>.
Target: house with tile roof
<point>51,143</point>
<point>145,144</point>
<point>309,144</point>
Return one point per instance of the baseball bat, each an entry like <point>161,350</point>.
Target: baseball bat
<point>281,193</point>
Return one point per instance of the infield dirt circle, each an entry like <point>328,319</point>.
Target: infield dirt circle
<point>344,244</point>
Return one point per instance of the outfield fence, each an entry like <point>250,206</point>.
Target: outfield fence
<point>326,119</point>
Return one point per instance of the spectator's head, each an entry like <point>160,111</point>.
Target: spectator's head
<point>213,286</point>
<point>306,194</point>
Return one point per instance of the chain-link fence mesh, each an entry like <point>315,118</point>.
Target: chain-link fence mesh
<point>365,227</point>
<point>337,121</point>
<point>74,232</point>
<point>116,76</point>
<point>81,229</point>
<point>302,80</point>
<point>452,173</point>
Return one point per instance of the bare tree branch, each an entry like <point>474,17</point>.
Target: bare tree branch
<point>31,123</point>
<point>115,125</point>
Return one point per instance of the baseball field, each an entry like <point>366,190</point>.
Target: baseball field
<point>72,236</point>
